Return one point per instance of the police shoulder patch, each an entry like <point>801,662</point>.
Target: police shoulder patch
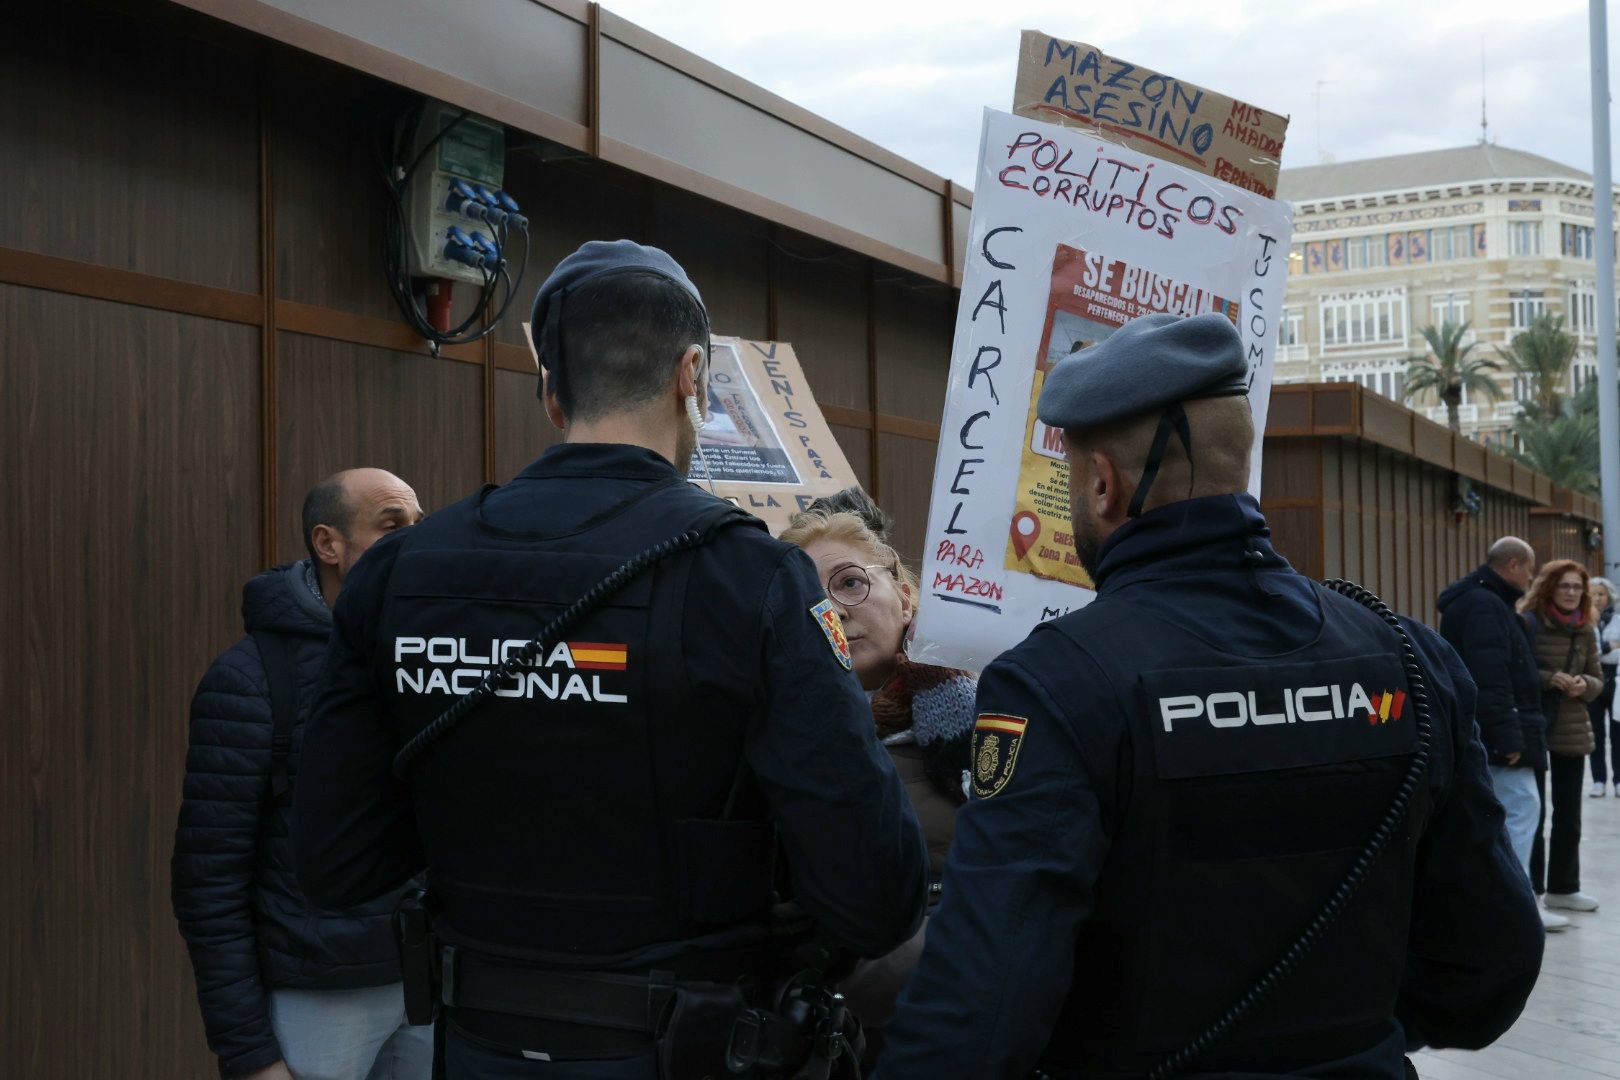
<point>826,617</point>
<point>996,738</point>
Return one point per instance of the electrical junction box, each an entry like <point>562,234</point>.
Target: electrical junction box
<point>454,206</point>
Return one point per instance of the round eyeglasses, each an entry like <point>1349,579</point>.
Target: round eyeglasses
<point>850,585</point>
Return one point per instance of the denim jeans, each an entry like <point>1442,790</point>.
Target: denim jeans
<point>350,1034</point>
<point>1516,790</point>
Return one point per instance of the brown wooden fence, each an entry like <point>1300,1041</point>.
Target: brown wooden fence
<point>1359,487</point>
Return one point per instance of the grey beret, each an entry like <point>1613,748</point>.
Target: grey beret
<point>1149,363</point>
<point>595,259</point>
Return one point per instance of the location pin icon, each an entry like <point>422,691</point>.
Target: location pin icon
<point>1026,529</point>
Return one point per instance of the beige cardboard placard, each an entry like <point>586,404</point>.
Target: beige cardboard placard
<point>766,441</point>
<point>1080,86</point>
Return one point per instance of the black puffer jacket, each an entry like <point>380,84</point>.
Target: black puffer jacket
<point>245,923</point>
<point>1478,620</point>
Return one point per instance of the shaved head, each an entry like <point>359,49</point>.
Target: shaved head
<point>1106,464</point>
<point>1222,436</point>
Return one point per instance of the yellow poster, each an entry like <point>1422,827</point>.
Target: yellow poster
<point>1091,296</point>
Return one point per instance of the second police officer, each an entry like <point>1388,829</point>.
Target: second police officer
<point>598,824</point>
<point>1224,819</point>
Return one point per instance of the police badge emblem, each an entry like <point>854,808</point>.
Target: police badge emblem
<point>996,739</point>
<point>826,617</point>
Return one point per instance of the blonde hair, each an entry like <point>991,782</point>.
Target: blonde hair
<point>841,526</point>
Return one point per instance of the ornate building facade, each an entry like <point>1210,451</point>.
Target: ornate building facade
<point>1387,246</point>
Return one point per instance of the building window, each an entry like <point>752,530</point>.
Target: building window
<point>1524,307</point>
<point>1449,307</point>
<point>1365,252</point>
<point>1291,329</point>
<point>1524,238</point>
<point>1455,242</point>
<point>1583,309</point>
<point>1583,371</point>
<point>1575,241</point>
<point>1369,318</point>
<point>1388,381</point>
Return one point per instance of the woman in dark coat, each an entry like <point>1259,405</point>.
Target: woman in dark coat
<point>1559,611</point>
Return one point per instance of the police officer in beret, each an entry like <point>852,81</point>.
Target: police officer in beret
<point>1225,820</point>
<point>599,817</point>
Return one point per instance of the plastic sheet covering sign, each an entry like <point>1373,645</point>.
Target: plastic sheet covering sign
<point>1070,238</point>
<point>770,450</point>
<point>1077,85</point>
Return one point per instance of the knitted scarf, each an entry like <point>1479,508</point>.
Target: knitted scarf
<point>936,705</point>
<point>1558,618</point>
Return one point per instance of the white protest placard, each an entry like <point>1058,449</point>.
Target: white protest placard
<point>1070,238</point>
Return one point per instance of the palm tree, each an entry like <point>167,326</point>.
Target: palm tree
<point>1541,355</point>
<point>1564,448</point>
<point>1449,371</point>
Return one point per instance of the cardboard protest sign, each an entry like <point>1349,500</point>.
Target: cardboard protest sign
<point>770,450</point>
<point>1070,238</point>
<point>1080,86</point>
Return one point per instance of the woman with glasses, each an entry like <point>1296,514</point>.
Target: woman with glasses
<point>923,714</point>
<point>1561,620</point>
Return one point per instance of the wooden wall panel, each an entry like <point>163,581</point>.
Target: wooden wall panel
<point>131,522</point>
<point>129,147</point>
<point>522,430</point>
<point>344,405</point>
<point>1291,469</point>
<point>1389,581</point>
<point>723,252</point>
<point>567,201</point>
<point>329,194</point>
<point>907,467</point>
<point>1332,509</point>
<point>1367,516</point>
<point>915,322</point>
<point>1297,534</point>
<point>856,443</point>
<point>821,309</point>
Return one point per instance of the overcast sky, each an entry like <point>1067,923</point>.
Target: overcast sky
<point>1395,75</point>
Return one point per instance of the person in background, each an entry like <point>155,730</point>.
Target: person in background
<point>923,714</point>
<point>1477,619</point>
<point>1558,609</point>
<point>287,990</point>
<point>1601,708</point>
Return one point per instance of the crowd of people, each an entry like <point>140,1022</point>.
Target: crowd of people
<point>665,828</point>
<point>1541,646</point>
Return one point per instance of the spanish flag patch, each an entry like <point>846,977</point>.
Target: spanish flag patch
<point>599,656</point>
<point>996,738</point>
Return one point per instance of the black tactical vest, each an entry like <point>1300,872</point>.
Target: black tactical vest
<point>1253,785</point>
<point>581,816</point>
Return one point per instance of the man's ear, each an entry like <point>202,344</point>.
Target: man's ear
<point>554,411</point>
<point>328,544</point>
<point>1109,496</point>
<point>686,376</point>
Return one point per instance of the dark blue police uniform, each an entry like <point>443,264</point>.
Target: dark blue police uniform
<point>600,834</point>
<point>1168,785</point>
